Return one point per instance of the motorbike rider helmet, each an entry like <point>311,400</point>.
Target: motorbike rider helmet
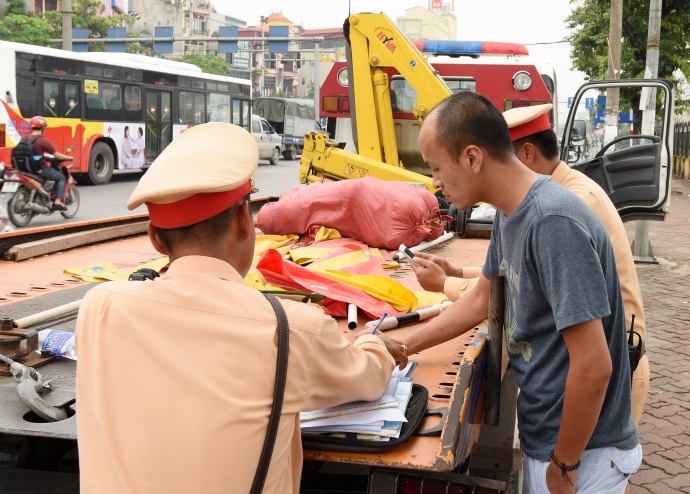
<point>38,123</point>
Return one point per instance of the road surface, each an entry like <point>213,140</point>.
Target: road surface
<point>107,201</point>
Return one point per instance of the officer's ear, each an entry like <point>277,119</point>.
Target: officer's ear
<point>244,220</point>
<point>156,240</point>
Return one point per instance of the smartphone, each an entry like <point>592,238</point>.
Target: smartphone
<point>406,252</point>
<point>409,254</point>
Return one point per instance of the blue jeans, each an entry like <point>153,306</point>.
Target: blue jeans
<point>59,179</point>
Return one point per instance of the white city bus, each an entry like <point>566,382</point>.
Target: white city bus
<point>110,110</point>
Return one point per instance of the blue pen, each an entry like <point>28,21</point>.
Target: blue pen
<point>379,323</point>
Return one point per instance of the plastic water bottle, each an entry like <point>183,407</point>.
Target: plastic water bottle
<point>58,342</point>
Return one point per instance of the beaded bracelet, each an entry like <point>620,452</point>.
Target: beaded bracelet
<point>564,468</point>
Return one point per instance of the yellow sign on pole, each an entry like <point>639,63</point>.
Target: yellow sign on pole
<point>91,86</point>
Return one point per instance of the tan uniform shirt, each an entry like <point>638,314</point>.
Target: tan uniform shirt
<point>595,197</point>
<point>598,201</point>
<point>175,382</point>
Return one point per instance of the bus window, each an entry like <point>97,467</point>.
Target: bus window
<point>71,108</point>
<point>112,73</point>
<point>51,98</point>
<point>93,70</point>
<point>104,96</point>
<point>191,108</point>
<point>236,112</point>
<point>218,107</point>
<point>245,114</point>
<point>132,98</point>
<point>256,126</point>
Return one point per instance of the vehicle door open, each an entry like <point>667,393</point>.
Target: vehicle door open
<point>633,168</point>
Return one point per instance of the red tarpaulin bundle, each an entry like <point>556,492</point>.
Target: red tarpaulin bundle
<point>380,213</point>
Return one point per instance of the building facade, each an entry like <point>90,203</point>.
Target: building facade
<point>195,18</point>
<point>438,23</point>
<point>272,74</point>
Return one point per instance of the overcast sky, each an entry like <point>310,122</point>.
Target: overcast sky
<point>534,21</point>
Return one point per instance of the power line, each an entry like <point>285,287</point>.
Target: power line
<point>546,43</point>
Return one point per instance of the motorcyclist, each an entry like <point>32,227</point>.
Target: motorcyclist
<point>43,146</point>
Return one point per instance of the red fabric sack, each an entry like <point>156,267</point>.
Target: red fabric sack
<point>380,213</point>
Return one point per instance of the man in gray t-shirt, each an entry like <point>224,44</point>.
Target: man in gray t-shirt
<point>565,328</point>
<point>559,271</point>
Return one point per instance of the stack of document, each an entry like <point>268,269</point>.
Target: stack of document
<point>378,420</point>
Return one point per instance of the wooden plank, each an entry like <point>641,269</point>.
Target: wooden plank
<point>75,225</point>
<point>72,240</point>
<point>10,239</point>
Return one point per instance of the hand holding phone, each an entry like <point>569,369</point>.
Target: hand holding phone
<point>409,254</point>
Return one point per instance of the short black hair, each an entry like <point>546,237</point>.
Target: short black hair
<point>545,141</point>
<point>468,118</point>
<point>208,231</point>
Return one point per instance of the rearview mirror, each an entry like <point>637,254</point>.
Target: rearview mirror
<point>579,131</point>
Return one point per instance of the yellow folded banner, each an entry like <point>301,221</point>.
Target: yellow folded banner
<point>109,272</point>
<point>266,242</point>
<point>305,255</point>
<point>425,299</point>
<point>381,287</point>
<point>326,233</point>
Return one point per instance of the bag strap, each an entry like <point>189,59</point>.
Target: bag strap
<point>278,395</point>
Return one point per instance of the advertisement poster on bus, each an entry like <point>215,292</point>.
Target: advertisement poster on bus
<point>178,129</point>
<point>130,139</point>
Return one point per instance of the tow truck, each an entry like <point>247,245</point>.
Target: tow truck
<point>469,443</point>
<point>382,63</point>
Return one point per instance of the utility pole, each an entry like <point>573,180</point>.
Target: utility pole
<point>261,82</point>
<point>317,79</point>
<point>66,25</point>
<point>614,67</point>
<point>642,247</point>
<point>191,24</point>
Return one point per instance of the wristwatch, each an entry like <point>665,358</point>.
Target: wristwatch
<point>404,349</point>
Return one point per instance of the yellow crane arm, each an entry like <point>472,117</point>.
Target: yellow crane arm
<point>376,43</point>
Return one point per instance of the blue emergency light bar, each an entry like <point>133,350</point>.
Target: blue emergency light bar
<point>469,48</point>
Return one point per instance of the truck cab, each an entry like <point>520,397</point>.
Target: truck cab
<point>269,142</point>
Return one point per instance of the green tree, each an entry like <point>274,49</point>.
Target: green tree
<point>310,92</point>
<point>16,26</point>
<point>14,7</point>
<point>211,64</point>
<point>589,24</point>
<point>22,28</point>
<point>137,47</point>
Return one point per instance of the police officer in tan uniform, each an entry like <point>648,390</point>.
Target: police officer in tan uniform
<point>536,146</point>
<point>176,376</point>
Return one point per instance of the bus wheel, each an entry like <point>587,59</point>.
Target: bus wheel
<point>101,165</point>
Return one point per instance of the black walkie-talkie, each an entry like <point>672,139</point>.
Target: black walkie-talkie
<point>635,352</point>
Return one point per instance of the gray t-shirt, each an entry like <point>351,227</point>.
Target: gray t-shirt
<point>559,271</point>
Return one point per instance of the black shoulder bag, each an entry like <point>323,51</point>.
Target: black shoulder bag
<point>278,395</point>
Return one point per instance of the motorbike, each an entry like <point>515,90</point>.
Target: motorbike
<point>33,195</point>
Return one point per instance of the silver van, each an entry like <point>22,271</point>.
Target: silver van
<point>269,142</point>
